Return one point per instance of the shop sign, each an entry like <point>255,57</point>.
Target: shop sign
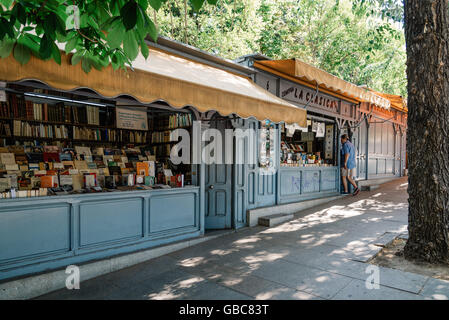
<point>131,119</point>
<point>303,95</point>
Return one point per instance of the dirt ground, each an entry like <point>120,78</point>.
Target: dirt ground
<point>391,257</point>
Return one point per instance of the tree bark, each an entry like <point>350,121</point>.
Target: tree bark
<point>426,32</point>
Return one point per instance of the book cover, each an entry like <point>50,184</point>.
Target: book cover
<point>48,182</point>
<point>7,158</point>
<point>80,164</point>
<point>90,180</point>
<point>143,168</point>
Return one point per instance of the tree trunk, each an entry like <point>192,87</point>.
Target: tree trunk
<point>426,32</point>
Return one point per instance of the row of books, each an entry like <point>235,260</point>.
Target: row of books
<point>25,129</point>
<point>5,129</point>
<point>82,133</point>
<point>133,136</point>
<point>174,121</point>
<point>86,115</point>
<point>5,112</point>
<point>26,109</point>
<point>161,136</point>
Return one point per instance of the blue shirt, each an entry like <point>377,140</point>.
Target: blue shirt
<point>348,148</point>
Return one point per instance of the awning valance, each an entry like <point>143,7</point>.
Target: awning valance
<point>303,71</point>
<point>397,102</point>
<point>163,77</point>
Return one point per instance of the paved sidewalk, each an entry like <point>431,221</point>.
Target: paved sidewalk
<point>321,254</point>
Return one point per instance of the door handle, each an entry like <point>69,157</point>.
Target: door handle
<point>211,187</point>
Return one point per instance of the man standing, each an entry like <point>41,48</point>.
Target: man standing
<point>348,164</point>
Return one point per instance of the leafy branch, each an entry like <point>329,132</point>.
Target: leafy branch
<point>97,33</point>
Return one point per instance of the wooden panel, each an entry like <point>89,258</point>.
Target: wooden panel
<point>328,180</point>
<point>290,182</point>
<point>34,230</point>
<point>311,181</point>
<point>104,221</point>
<point>173,211</point>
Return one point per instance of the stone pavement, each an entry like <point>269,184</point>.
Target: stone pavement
<point>321,254</point>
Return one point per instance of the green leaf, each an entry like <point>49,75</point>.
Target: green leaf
<point>56,54</point>
<point>6,46</point>
<point>143,4</point>
<point>31,41</point>
<point>129,15</point>
<point>19,12</point>
<point>50,26</point>
<point>60,25</point>
<point>7,3</point>
<point>116,35</point>
<point>130,45</point>
<point>22,53</point>
<point>197,4</point>
<point>152,30</point>
<point>86,65</point>
<point>45,49</point>
<point>7,28</point>
<point>76,58</point>
<point>212,2</point>
<point>71,44</point>
<point>144,49</point>
<point>155,4</point>
<point>96,63</point>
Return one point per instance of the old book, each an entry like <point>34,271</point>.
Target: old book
<point>90,180</point>
<point>73,171</point>
<point>35,182</point>
<point>101,180</point>
<point>48,182</point>
<point>143,168</point>
<point>5,184</point>
<point>104,171</point>
<point>140,179</point>
<point>58,166</point>
<point>65,180</point>
<point>11,167</point>
<point>83,151</point>
<point>80,164</point>
<point>33,166</point>
<point>91,165</point>
<point>110,182</point>
<point>68,164</point>
<point>7,158</point>
<point>78,182</point>
<point>149,181</point>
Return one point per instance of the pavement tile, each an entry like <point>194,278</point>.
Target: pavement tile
<point>386,238</point>
<point>356,290</point>
<point>388,277</point>
<point>136,274</point>
<point>311,280</point>
<point>436,289</point>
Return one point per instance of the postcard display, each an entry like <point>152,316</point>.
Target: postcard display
<point>59,149</point>
<point>311,146</point>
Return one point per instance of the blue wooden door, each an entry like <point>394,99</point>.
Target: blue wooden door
<point>240,174</point>
<point>360,143</point>
<point>218,183</point>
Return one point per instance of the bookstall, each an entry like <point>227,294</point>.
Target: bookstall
<point>85,170</point>
<point>78,174</point>
<point>309,154</point>
<point>309,162</point>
